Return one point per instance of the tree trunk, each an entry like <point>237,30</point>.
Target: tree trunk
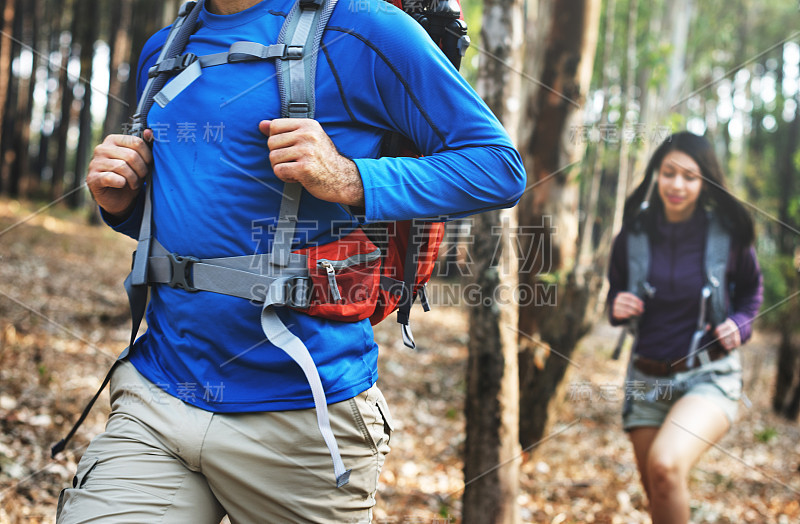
<point>7,137</point>
<point>6,41</point>
<point>738,166</point>
<point>42,37</point>
<point>568,58</point>
<point>20,165</point>
<point>625,164</point>
<point>65,86</point>
<point>492,456</point>
<point>43,170</point>
<point>786,179</point>
<point>680,19</point>
<point>87,35</point>
<point>586,246</point>
<point>3,38</point>
<point>787,389</point>
<point>786,399</point>
<point>118,109</point>
<point>147,19</point>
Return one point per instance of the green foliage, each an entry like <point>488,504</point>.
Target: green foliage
<point>676,121</point>
<point>766,435</point>
<point>472,11</point>
<point>780,279</point>
<point>794,208</point>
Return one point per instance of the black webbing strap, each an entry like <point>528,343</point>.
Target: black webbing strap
<point>59,446</point>
<point>409,280</point>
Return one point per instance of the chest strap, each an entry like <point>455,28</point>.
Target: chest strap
<point>248,277</point>
<point>189,66</point>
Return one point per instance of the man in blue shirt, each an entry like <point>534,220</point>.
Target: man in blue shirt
<point>208,416</point>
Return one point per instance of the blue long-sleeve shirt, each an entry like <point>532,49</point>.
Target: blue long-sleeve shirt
<point>215,195</point>
<point>677,274</point>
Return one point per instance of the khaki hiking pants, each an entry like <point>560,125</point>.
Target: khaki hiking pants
<point>161,460</point>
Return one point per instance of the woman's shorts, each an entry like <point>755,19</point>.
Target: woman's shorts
<point>648,399</point>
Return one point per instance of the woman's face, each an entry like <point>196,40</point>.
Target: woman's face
<point>679,185</point>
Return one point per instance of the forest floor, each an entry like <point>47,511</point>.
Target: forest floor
<point>64,316</point>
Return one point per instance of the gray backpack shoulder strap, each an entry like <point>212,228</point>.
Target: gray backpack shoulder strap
<point>717,252</point>
<point>638,244</point>
<point>182,28</point>
<point>302,34</point>
<point>136,283</point>
<point>296,71</point>
<point>638,261</point>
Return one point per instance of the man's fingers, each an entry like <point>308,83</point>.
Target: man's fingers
<point>287,125</point>
<point>283,155</point>
<point>112,179</point>
<point>137,159</point>
<point>100,180</point>
<point>264,127</point>
<point>129,164</point>
<point>134,143</point>
<point>280,126</point>
<point>287,172</point>
<point>120,167</point>
<point>288,139</point>
<point>289,129</point>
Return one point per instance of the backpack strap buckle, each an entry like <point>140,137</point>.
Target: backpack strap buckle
<point>186,8</point>
<point>298,109</point>
<point>172,65</point>
<point>180,276</point>
<point>292,292</point>
<point>292,52</point>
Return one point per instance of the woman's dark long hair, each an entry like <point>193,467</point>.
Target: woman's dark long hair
<point>714,194</point>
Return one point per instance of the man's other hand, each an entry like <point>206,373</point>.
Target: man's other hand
<point>301,151</point>
<point>116,172</point>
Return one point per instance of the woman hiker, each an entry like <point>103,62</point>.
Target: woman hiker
<point>685,278</point>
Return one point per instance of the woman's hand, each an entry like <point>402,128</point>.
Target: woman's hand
<point>626,305</point>
<point>728,335</point>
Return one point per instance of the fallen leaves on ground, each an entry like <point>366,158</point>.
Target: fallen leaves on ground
<point>64,316</point>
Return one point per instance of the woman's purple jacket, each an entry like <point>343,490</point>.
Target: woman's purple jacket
<point>677,274</point>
